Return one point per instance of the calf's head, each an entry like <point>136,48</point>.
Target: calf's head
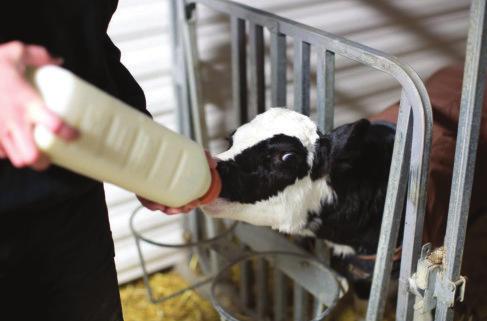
<point>277,170</point>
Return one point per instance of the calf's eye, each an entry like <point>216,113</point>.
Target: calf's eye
<point>288,157</point>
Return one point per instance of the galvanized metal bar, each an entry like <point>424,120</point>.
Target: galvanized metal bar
<point>212,230</point>
<point>184,111</point>
<point>200,131</point>
<point>322,252</point>
<point>300,303</point>
<point>188,35</point>
<point>262,296</point>
<point>280,289</point>
<point>178,73</point>
<point>178,69</point>
<point>413,87</point>
<point>188,99</point>
<point>257,77</point>
<point>278,98</point>
<point>239,69</point>
<point>263,240</point>
<point>339,45</point>
<point>325,88</point>
<point>145,273</point>
<point>196,224</point>
<point>415,210</point>
<point>245,284</point>
<point>173,29</point>
<point>393,209</point>
<point>466,147</point>
<point>301,76</point>
<point>278,70</point>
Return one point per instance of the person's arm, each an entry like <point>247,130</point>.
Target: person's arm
<point>21,108</point>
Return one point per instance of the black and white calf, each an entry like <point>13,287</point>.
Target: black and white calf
<point>282,172</point>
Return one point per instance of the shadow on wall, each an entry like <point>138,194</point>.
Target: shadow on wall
<point>353,101</point>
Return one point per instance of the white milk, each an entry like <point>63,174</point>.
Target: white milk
<point>119,144</point>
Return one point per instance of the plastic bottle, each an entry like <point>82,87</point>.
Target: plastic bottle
<point>121,145</point>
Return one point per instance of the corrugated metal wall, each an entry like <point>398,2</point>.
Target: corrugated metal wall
<point>424,34</point>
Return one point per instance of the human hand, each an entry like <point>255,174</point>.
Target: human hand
<point>21,108</point>
<point>153,206</point>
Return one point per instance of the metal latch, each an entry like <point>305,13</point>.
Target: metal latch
<point>429,283</point>
<point>449,292</point>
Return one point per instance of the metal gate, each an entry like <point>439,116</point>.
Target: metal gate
<point>409,168</point>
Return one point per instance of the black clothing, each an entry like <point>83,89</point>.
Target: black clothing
<point>56,265</point>
<point>56,249</point>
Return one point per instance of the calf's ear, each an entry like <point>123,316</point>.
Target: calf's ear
<point>340,148</point>
<point>229,138</point>
<point>347,142</point>
<point>321,158</point>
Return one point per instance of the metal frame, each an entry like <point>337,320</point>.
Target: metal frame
<point>200,245</point>
<point>292,264</point>
<point>411,150</point>
<point>437,283</point>
<point>413,139</point>
<point>465,154</point>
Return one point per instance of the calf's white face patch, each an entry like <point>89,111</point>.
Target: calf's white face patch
<point>273,122</point>
<point>253,164</point>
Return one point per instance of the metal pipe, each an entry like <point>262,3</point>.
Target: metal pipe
<point>415,208</point>
<point>261,278</point>
<point>466,147</point>
<point>278,70</point>
<point>325,83</point>
<point>257,78</point>
<point>278,98</point>
<point>280,290</point>
<point>239,69</point>
<point>300,303</point>
<point>245,284</point>
<point>393,209</point>
<point>414,91</point>
<point>188,35</point>
<point>301,76</point>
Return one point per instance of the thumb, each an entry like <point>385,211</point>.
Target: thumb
<point>39,114</point>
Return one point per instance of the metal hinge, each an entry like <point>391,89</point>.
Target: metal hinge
<point>429,283</point>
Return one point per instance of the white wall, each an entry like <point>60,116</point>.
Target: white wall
<point>424,34</point>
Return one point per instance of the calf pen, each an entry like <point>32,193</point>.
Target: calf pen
<point>409,168</point>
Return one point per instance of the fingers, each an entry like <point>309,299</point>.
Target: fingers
<point>19,147</point>
<point>26,97</point>
<point>20,135</point>
<point>39,114</point>
<point>11,151</point>
<point>21,107</point>
<point>183,209</point>
<point>22,55</point>
<point>168,210</point>
<point>38,56</point>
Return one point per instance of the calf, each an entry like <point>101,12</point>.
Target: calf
<point>281,171</point>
